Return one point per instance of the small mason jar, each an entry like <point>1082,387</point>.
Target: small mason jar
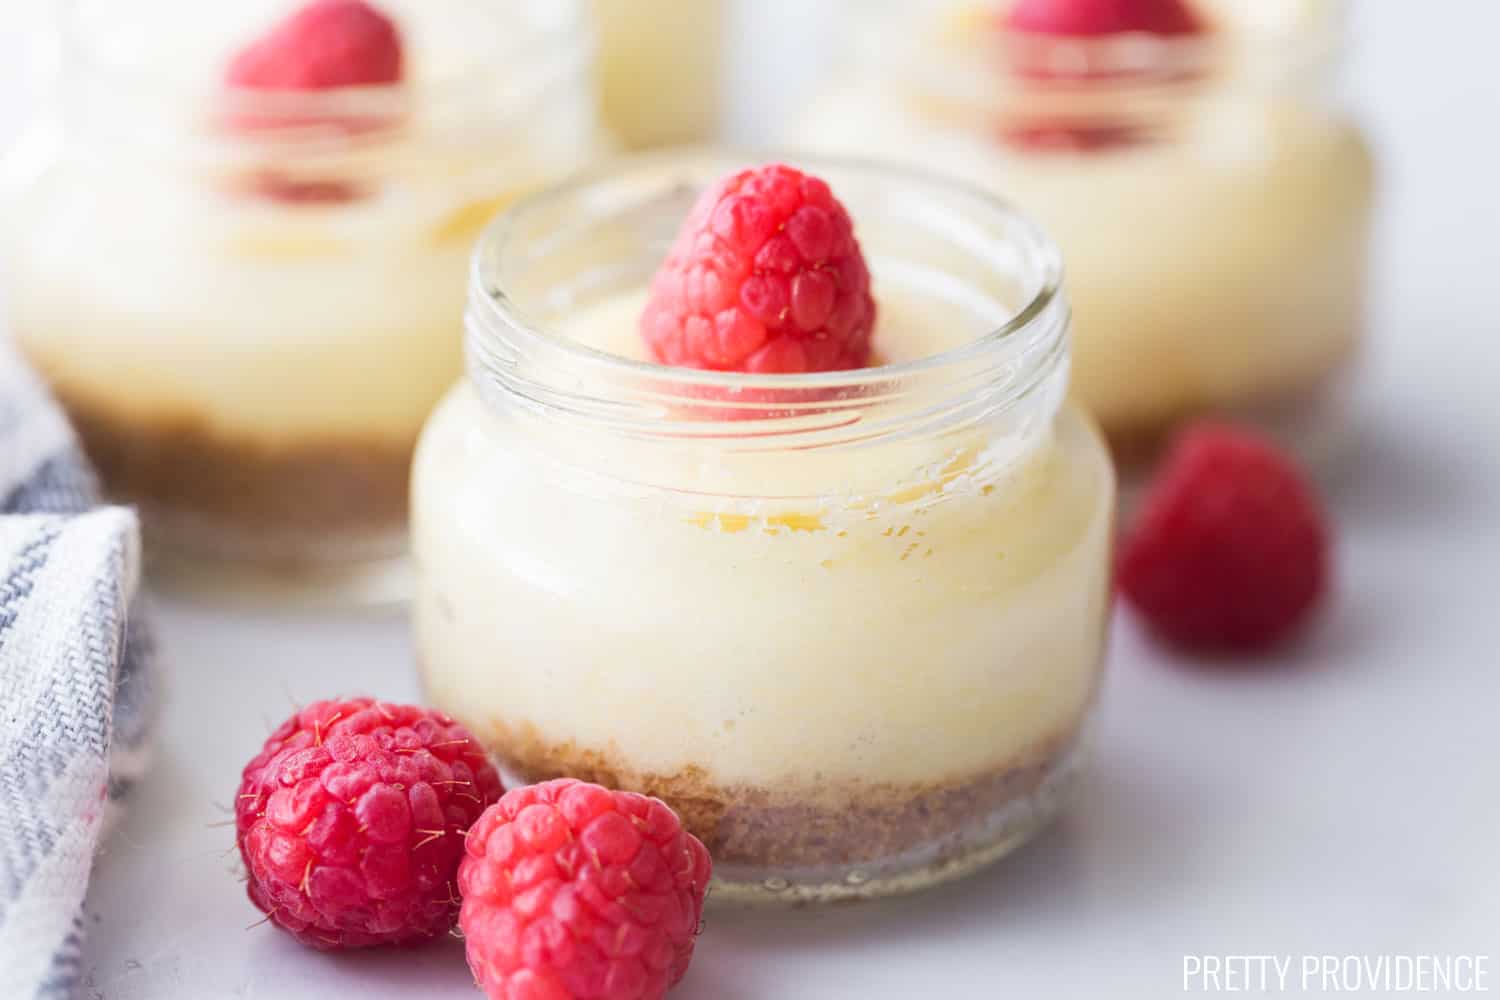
<point>660,69</point>
<point>1211,200</point>
<point>249,301</point>
<point>849,624</point>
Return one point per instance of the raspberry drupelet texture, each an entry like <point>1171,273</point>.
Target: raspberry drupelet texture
<point>1229,550</point>
<point>1094,18</point>
<point>325,45</point>
<point>765,276</point>
<point>351,822</point>
<point>575,892</point>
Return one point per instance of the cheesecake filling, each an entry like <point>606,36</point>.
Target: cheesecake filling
<point>907,633</point>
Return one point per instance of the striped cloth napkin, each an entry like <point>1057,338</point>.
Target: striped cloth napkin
<point>75,680</point>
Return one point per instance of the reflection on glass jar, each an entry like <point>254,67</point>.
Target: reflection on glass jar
<point>250,299</point>
<point>660,69</point>
<point>1211,203</point>
<point>849,624</point>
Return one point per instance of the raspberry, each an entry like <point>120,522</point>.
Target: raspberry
<point>1092,18</point>
<point>765,276</point>
<point>325,45</point>
<point>574,891</point>
<point>351,822</point>
<point>1229,551</point>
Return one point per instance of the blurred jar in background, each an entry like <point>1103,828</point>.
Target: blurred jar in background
<point>249,297</point>
<point>30,127</point>
<point>660,69</point>
<point>1211,201</point>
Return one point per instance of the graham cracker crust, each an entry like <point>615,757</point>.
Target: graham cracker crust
<point>813,825</point>
<point>226,496</point>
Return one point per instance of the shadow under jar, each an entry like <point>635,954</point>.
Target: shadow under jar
<point>1210,198</point>
<point>249,301</point>
<point>849,625</point>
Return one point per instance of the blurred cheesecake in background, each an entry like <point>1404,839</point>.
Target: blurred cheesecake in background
<point>660,69</point>
<point>244,271</point>
<point>1211,200</point>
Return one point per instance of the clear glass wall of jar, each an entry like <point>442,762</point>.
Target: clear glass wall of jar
<point>249,301</point>
<point>1211,201</point>
<point>660,69</point>
<point>850,625</point>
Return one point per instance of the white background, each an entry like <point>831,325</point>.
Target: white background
<point>1346,800</point>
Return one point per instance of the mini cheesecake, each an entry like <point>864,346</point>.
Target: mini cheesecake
<point>1214,218</point>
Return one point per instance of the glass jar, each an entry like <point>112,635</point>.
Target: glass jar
<point>249,301</point>
<point>1211,201</point>
<point>849,625</point>
<point>660,64</point>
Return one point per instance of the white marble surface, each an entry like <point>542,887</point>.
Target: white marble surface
<point>1344,801</point>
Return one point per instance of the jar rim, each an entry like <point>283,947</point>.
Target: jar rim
<point>490,305</point>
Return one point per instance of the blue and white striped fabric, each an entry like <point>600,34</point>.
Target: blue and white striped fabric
<point>75,678</point>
